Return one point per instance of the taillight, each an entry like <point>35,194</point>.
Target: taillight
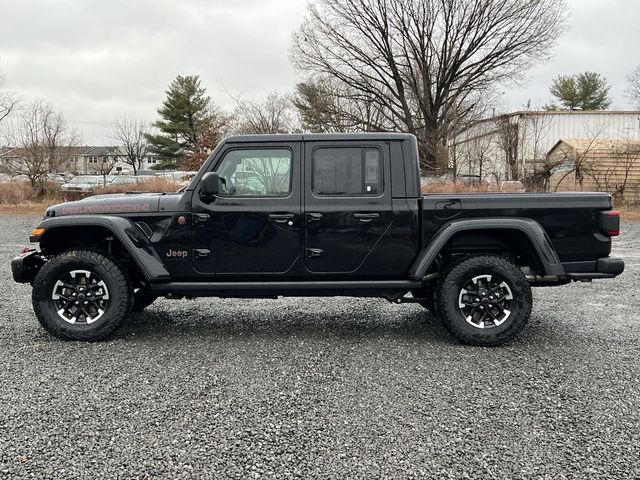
<point>610,222</point>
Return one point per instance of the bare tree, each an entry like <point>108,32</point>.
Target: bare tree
<point>106,164</point>
<point>536,168</point>
<point>42,142</point>
<point>272,115</point>
<point>8,103</point>
<point>131,136</point>
<point>425,64</point>
<point>633,86</point>
<point>329,106</point>
<point>509,142</point>
<point>473,154</point>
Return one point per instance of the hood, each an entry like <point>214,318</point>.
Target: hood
<point>108,204</point>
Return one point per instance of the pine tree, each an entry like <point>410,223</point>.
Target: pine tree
<point>185,118</point>
<point>584,91</point>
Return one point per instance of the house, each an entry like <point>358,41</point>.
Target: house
<point>610,165</point>
<point>511,146</point>
<point>3,162</point>
<point>78,160</point>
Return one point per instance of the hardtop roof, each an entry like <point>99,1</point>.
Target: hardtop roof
<point>316,137</point>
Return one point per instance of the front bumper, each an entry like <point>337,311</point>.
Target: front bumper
<point>25,266</point>
<point>606,267</point>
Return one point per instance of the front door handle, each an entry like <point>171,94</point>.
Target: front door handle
<point>281,217</point>
<point>201,217</point>
<point>314,217</point>
<point>199,253</point>
<point>366,217</point>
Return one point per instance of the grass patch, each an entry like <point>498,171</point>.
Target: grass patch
<point>19,198</point>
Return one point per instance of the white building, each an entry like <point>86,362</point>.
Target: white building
<point>83,160</point>
<point>506,147</point>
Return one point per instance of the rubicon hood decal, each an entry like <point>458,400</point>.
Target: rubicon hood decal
<point>105,208</point>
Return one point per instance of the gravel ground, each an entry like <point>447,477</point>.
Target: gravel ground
<point>330,388</point>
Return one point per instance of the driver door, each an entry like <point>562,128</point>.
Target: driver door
<point>253,226</point>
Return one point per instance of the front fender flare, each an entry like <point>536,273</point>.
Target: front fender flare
<point>129,235</point>
<point>545,252</point>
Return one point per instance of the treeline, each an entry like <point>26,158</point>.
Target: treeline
<point>428,67</point>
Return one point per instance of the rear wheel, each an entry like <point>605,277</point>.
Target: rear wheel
<point>81,295</point>
<point>484,300</point>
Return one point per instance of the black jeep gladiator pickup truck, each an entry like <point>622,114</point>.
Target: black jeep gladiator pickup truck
<point>315,215</point>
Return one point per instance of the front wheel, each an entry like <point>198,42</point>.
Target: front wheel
<point>484,300</point>
<point>81,295</point>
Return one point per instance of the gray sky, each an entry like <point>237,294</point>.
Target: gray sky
<point>95,60</point>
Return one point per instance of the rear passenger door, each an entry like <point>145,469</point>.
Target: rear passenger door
<point>347,204</point>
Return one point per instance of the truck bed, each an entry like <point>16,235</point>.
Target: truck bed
<point>569,218</point>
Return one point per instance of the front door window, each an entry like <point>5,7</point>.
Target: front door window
<point>256,173</point>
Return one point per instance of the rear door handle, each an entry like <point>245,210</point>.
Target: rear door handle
<point>281,217</point>
<point>314,217</point>
<point>366,217</point>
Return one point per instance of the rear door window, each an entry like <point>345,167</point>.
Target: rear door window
<point>347,171</point>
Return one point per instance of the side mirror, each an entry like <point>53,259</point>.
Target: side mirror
<point>210,184</point>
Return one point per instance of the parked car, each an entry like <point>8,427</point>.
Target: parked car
<point>83,184</point>
<point>349,220</point>
<point>57,178</point>
<point>125,179</point>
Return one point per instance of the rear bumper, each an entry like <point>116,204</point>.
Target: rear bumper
<point>607,267</point>
<point>25,266</point>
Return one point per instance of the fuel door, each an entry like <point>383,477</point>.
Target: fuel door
<point>448,209</point>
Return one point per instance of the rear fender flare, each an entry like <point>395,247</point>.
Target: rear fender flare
<point>545,252</point>
<point>133,240</point>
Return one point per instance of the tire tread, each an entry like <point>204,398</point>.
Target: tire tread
<point>117,273</point>
<point>447,284</point>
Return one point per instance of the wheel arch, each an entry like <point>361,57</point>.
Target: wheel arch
<point>118,236</point>
<point>524,237</point>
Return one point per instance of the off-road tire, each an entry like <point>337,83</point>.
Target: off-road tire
<point>114,277</point>
<point>142,298</point>
<point>458,275</point>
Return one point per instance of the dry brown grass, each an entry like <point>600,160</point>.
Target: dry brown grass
<point>19,198</point>
<point>454,188</point>
<point>13,193</point>
<point>460,187</point>
<point>630,214</point>
<point>158,184</point>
